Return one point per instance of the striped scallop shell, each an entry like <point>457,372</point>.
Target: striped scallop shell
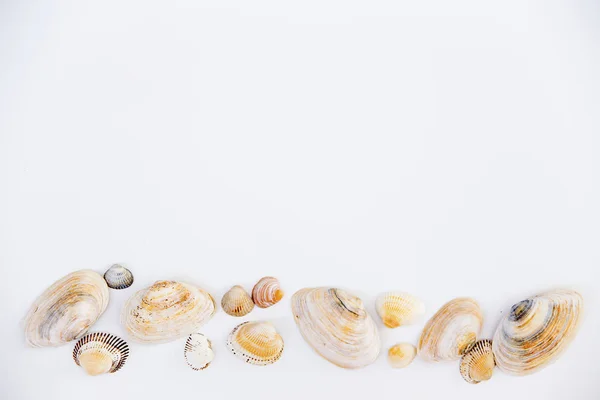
<point>236,302</point>
<point>256,343</point>
<point>478,363</point>
<point>118,277</point>
<point>398,308</point>
<point>66,310</point>
<point>536,331</point>
<point>100,353</point>
<point>198,351</point>
<point>451,331</point>
<point>267,292</point>
<point>401,355</point>
<point>166,311</point>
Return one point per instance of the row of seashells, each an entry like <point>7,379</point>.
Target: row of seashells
<point>237,303</point>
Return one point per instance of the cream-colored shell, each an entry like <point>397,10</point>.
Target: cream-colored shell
<point>478,363</point>
<point>267,292</point>
<point>67,309</point>
<point>401,355</point>
<point>536,331</point>
<point>398,308</point>
<point>100,353</point>
<point>165,311</point>
<point>337,326</point>
<point>236,302</point>
<point>451,331</point>
<point>198,351</point>
<point>256,343</point>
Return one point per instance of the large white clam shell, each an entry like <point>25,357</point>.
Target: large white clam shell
<point>336,324</point>
<point>536,331</point>
<point>165,311</point>
<point>67,309</point>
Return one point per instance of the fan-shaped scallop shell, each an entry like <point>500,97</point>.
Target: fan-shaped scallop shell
<point>198,351</point>
<point>478,363</point>
<point>165,311</point>
<point>267,292</point>
<point>536,331</point>
<point>118,277</point>
<point>236,302</point>
<point>398,308</point>
<point>100,353</point>
<point>336,324</point>
<point>256,343</point>
<point>401,355</point>
<point>451,331</point>
<point>66,310</point>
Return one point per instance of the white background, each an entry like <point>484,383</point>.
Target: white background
<point>445,148</point>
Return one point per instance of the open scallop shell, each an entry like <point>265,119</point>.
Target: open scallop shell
<point>100,353</point>
<point>398,308</point>
<point>198,351</point>
<point>478,363</point>
<point>236,302</point>
<point>337,326</point>
<point>118,277</point>
<point>401,355</point>
<point>451,331</point>
<point>267,292</point>
<point>536,331</point>
<point>165,311</point>
<point>67,309</point>
<point>256,343</point>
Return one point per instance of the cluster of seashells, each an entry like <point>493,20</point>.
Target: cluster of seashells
<point>334,322</point>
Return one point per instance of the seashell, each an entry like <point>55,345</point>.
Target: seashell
<point>198,351</point>
<point>536,331</point>
<point>451,331</point>
<point>236,302</point>
<point>256,343</point>
<point>267,292</point>
<point>100,353</point>
<point>478,363</point>
<point>337,326</point>
<point>66,310</point>
<point>118,277</point>
<point>401,355</point>
<point>398,308</point>
<point>166,311</point>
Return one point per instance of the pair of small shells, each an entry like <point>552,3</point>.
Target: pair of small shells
<point>100,353</point>
<point>267,292</point>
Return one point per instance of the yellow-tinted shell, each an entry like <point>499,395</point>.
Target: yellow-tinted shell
<point>236,302</point>
<point>398,308</point>
<point>401,355</point>
<point>100,353</point>
<point>256,343</point>
<point>267,292</point>
<point>478,363</point>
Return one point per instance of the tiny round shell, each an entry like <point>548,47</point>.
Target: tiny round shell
<point>99,353</point>
<point>398,308</point>
<point>118,277</point>
<point>236,302</point>
<point>401,355</point>
<point>478,363</point>
<point>198,351</point>
<point>256,343</point>
<point>267,292</point>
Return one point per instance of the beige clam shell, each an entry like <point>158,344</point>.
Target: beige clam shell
<point>100,353</point>
<point>256,343</point>
<point>67,309</point>
<point>536,331</point>
<point>236,302</point>
<point>477,365</point>
<point>398,308</point>
<point>198,351</point>
<point>166,311</point>
<point>337,326</point>
<point>401,355</point>
<point>267,292</point>
<point>451,331</point>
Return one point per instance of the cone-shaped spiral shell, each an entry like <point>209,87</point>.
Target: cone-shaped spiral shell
<point>401,355</point>
<point>336,324</point>
<point>478,363</point>
<point>118,277</point>
<point>267,292</point>
<point>66,310</point>
<point>256,343</point>
<point>536,331</point>
<point>451,331</point>
<point>236,302</point>
<point>198,351</point>
<point>100,353</point>
<point>165,311</point>
<point>398,308</point>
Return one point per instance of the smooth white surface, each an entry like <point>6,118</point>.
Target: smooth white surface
<point>445,148</point>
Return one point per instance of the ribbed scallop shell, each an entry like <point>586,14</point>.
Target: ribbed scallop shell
<point>401,355</point>
<point>66,310</point>
<point>478,363</point>
<point>118,277</point>
<point>451,331</point>
<point>267,292</point>
<point>256,343</point>
<point>165,311</point>
<point>236,302</point>
<point>536,331</point>
<point>198,351</point>
<point>100,353</point>
<point>398,308</point>
<point>336,324</point>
